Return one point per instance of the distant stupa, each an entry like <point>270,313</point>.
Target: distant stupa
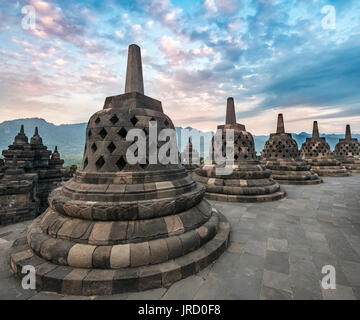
<point>281,155</point>
<point>316,151</point>
<point>249,180</point>
<point>347,151</point>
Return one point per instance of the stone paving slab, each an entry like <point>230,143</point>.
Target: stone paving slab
<point>277,250</point>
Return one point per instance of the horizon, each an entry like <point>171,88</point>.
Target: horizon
<point>272,57</point>
<point>185,128</point>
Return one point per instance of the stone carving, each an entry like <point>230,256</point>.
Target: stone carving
<point>249,181</point>
<point>347,151</point>
<point>117,227</point>
<point>281,155</point>
<point>35,158</point>
<point>316,151</point>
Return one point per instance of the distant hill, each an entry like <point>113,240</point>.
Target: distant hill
<point>70,138</point>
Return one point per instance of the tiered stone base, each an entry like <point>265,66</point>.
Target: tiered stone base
<point>88,282</point>
<point>248,182</point>
<point>353,165</point>
<point>292,172</point>
<point>328,168</point>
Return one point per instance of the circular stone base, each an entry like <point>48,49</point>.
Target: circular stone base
<point>299,182</point>
<point>91,282</point>
<point>325,173</point>
<point>245,198</point>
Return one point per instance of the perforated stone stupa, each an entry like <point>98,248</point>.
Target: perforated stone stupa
<point>190,157</point>
<point>281,155</point>
<point>316,151</point>
<point>347,151</point>
<point>117,227</point>
<point>249,180</point>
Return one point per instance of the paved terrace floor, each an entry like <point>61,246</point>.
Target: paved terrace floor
<point>277,250</point>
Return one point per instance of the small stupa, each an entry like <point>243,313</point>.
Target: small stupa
<point>190,157</point>
<point>281,155</point>
<point>316,151</point>
<point>118,227</point>
<point>347,151</point>
<point>249,180</point>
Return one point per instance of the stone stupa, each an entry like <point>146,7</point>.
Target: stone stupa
<point>117,227</point>
<point>249,180</point>
<point>190,157</point>
<point>316,151</point>
<point>347,151</point>
<point>281,155</point>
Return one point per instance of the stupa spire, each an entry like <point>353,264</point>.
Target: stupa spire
<point>315,133</point>
<point>348,133</point>
<point>22,129</point>
<point>134,75</point>
<point>280,124</point>
<point>36,131</point>
<point>230,111</point>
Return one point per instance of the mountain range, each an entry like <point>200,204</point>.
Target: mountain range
<point>70,138</point>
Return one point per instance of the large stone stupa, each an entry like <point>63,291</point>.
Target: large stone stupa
<point>117,227</point>
<point>316,151</point>
<point>347,151</point>
<point>281,155</point>
<point>249,180</point>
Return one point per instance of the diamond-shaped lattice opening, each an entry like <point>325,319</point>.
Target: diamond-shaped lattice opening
<point>86,162</point>
<point>103,133</point>
<point>94,147</point>
<point>134,120</point>
<point>121,163</point>
<point>122,133</point>
<point>89,133</point>
<point>111,147</point>
<point>114,119</point>
<point>97,121</point>
<point>166,123</point>
<point>100,163</point>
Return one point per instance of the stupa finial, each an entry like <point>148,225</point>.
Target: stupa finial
<point>36,131</point>
<point>348,132</point>
<point>22,129</point>
<point>230,111</point>
<point>315,133</point>
<point>280,124</point>
<point>134,75</point>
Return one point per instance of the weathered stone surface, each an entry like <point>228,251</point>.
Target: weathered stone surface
<point>31,173</point>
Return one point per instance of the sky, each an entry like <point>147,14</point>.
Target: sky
<point>272,56</point>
